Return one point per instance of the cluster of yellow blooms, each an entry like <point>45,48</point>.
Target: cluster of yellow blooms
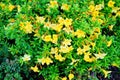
<point>94,10</point>
<point>46,60</point>
<point>70,76</point>
<point>66,45</point>
<point>79,33</point>
<point>48,38</point>
<point>114,9</point>
<point>54,51</point>
<point>54,4</point>
<point>11,7</point>
<point>58,27</point>
<point>62,26</point>
<point>26,27</point>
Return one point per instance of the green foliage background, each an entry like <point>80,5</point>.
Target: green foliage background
<point>14,43</point>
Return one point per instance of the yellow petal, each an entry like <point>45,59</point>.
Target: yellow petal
<point>47,38</point>
<point>55,38</point>
<point>100,55</point>
<point>106,73</point>
<point>64,78</point>
<point>109,43</point>
<point>71,76</point>
<point>80,51</point>
<point>115,64</point>
<point>65,7</point>
<point>35,69</point>
<point>11,7</point>
<point>111,3</point>
<point>59,57</point>
<point>48,60</point>
<point>88,57</point>
<point>110,27</point>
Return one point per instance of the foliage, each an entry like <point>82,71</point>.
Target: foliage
<point>58,39</point>
<point>9,70</point>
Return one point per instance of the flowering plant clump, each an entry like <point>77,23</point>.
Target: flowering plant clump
<point>62,39</point>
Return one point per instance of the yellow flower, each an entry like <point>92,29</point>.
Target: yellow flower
<point>53,4</point>
<point>106,73</point>
<point>97,30</point>
<point>64,78</point>
<point>109,43</point>
<point>46,60</point>
<point>40,19</point>
<point>95,13</point>
<point>91,8</point>
<point>110,27</point>
<point>61,21</point>
<point>115,9</point>
<point>47,24</point>
<point>68,22</point>
<point>26,27</point>
<point>100,55</point>
<point>111,3</point>
<point>54,38</point>
<point>65,7</point>
<point>70,48</point>
<point>57,27</point>
<point>47,38</point>
<point>88,57</point>
<point>86,48</point>
<point>22,24</point>
<point>54,50</point>
<point>68,29</point>
<point>35,68</point>
<point>59,57</point>
<point>118,13</point>
<point>92,44</point>
<point>98,7</point>
<point>94,36</point>
<point>79,33</point>
<point>66,42</point>
<point>42,60</point>
<point>11,7</point>
<point>79,51</point>
<point>71,76</point>
<point>26,57</point>
<point>65,49</point>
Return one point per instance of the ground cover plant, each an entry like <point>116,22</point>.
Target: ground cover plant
<point>59,39</point>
